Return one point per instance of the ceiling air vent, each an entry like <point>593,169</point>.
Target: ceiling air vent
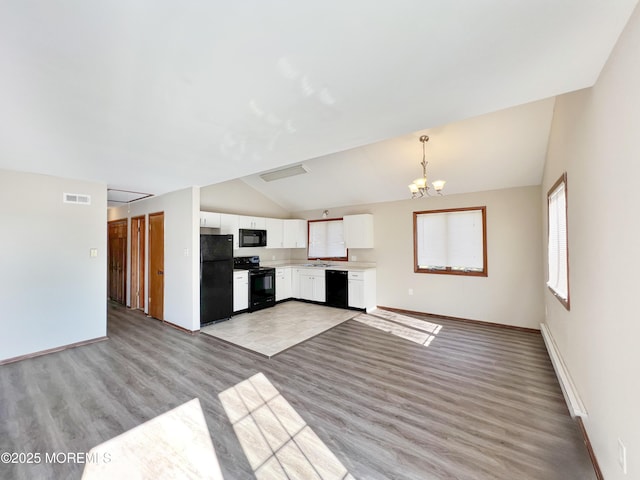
<point>77,198</point>
<point>284,173</point>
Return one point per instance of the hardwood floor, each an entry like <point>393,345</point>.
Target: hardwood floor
<point>478,402</point>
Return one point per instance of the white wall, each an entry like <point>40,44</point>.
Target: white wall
<point>510,294</point>
<point>595,139</point>
<point>181,233</point>
<point>52,293</point>
<point>266,254</point>
<point>237,197</point>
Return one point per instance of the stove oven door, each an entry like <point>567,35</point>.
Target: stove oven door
<point>262,288</point>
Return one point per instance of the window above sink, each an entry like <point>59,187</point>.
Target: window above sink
<point>326,240</point>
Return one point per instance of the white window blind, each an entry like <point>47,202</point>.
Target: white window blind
<point>326,239</point>
<point>557,249</point>
<point>432,240</point>
<point>451,240</point>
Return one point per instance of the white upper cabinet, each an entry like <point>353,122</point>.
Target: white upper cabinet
<point>275,233</point>
<point>294,234</point>
<point>254,223</point>
<point>358,230</point>
<point>289,233</point>
<point>209,220</point>
<point>229,225</point>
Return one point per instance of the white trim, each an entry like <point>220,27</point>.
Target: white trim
<point>574,403</point>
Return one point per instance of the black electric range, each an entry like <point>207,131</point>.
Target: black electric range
<point>262,282</point>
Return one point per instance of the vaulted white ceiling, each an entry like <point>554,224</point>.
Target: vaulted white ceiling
<point>504,149</point>
<point>156,95</point>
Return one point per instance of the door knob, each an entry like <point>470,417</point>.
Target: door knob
<point>160,272</point>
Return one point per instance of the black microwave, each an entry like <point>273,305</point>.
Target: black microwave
<point>252,238</point>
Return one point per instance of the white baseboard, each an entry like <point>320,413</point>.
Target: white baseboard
<point>574,403</point>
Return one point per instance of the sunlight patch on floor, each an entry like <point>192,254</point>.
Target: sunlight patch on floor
<point>176,444</point>
<point>276,440</point>
<point>403,326</point>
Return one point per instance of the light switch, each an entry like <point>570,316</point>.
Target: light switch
<point>186,252</point>
<point>93,252</point>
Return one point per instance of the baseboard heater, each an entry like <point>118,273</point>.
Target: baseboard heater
<point>576,407</point>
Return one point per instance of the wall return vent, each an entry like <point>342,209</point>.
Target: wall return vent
<point>77,198</point>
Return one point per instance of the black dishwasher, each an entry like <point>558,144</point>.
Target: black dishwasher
<point>337,288</point>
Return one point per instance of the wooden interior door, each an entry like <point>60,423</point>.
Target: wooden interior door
<point>117,260</point>
<point>138,261</point>
<point>156,265</point>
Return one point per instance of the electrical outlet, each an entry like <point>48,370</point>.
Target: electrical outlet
<point>354,258</point>
<point>622,456</point>
<point>411,291</point>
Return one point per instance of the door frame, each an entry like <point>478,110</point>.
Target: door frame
<point>123,277</point>
<point>151,270</point>
<point>138,294</point>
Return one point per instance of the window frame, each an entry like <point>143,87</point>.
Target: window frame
<point>448,270</point>
<point>334,259</point>
<point>562,181</point>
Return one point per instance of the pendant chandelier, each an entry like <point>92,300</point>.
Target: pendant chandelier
<point>419,187</point>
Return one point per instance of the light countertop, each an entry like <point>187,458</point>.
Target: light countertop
<point>349,266</point>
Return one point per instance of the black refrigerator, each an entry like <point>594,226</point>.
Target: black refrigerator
<point>216,278</point>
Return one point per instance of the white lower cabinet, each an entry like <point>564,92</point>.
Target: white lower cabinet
<point>311,284</point>
<point>319,291</point>
<point>240,290</point>
<point>362,289</point>
<point>306,287</point>
<point>283,283</point>
<point>356,289</point>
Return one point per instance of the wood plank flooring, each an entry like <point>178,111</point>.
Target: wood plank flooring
<point>478,402</point>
